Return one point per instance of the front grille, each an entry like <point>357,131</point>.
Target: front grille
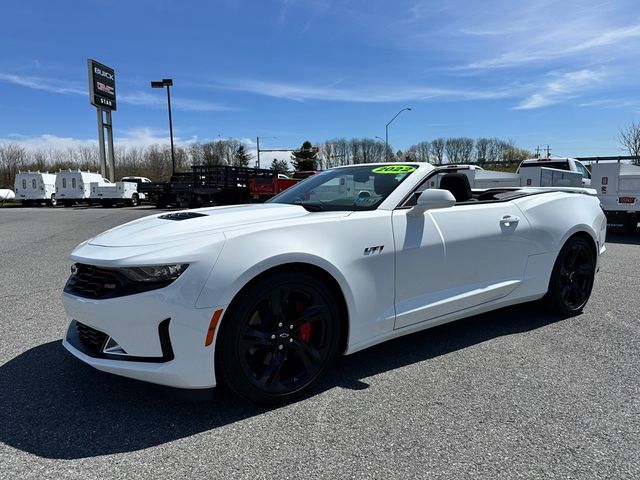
<point>94,282</point>
<point>93,339</point>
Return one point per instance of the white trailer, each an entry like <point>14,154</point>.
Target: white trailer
<point>74,186</point>
<point>618,186</point>
<point>109,194</point>
<point>35,188</point>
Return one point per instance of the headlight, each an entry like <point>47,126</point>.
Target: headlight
<point>91,281</point>
<point>152,274</point>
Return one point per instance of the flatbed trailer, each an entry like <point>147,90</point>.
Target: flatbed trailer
<point>205,185</point>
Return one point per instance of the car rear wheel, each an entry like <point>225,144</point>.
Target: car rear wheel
<point>572,278</point>
<point>278,338</point>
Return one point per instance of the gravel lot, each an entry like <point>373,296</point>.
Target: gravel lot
<point>510,394</point>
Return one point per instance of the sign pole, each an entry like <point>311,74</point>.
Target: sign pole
<point>112,163</point>
<point>102,95</point>
<point>103,158</point>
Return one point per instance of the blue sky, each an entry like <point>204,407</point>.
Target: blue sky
<point>561,73</point>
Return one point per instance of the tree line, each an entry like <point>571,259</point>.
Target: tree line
<point>341,151</point>
<point>153,161</point>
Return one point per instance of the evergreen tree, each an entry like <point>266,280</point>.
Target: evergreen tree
<point>241,158</point>
<point>305,158</point>
<point>280,166</point>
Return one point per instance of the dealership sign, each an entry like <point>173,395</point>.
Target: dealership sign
<point>102,85</point>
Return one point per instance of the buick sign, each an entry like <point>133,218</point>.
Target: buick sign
<point>102,85</point>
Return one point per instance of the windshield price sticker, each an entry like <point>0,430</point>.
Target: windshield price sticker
<point>394,169</point>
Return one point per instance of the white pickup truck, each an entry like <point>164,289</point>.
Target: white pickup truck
<point>618,186</point>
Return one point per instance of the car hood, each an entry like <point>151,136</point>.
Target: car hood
<point>155,229</point>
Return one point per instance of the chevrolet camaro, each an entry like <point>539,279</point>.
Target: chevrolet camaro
<point>263,297</point>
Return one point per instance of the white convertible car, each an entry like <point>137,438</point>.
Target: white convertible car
<point>263,297</point>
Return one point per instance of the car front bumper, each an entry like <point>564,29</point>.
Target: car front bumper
<point>158,340</point>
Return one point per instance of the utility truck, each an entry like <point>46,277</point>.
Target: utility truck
<point>35,188</point>
<point>109,194</point>
<point>618,186</point>
<point>535,172</point>
<point>74,186</point>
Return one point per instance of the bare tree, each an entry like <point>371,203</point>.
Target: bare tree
<point>367,150</point>
<point>482,145</point>
<point>466,149</point>
<point>420,152</point>
<point>455,148</point>
<point>437,149</point>
<point>629,138</point>
<point>12,159</point>
<point>495,150</point>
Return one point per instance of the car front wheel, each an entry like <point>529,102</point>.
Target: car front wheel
<point>278,338</point>
<point>572,277</point>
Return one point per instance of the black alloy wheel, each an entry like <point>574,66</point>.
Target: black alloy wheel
<point>279,338</point>
<point>572,277</point>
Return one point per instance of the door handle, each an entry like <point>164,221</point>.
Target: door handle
<point>507,220</point>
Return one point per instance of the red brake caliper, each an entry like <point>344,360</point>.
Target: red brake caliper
<point>306,328</point>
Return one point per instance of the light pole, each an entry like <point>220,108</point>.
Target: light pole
<point>258,147</point>
<point>386,133</point>
<point>168,82</point>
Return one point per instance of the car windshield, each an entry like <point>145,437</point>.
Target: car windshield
<point>361,187</point>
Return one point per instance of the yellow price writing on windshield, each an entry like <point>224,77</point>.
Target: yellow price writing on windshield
<point>394,169</point>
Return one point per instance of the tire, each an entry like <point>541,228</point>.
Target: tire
<point>52,202</point>
<point>133,201</point>
<point>571,278</point>
<point>279,336</point>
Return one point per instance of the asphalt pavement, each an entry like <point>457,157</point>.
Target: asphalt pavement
<point>511,394</point>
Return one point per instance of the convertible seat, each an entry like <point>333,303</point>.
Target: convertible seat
<point>384,184</point>
<point>458,185</point>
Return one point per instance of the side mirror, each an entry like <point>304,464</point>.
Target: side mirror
<point>433,198</point>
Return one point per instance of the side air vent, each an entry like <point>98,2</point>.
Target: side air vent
<point>181,216</point>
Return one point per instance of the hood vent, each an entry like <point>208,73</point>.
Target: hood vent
<point>181,216</point>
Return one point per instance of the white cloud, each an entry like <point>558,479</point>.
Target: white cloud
<point>364,93</point>
<point>44,84</point>
<point>138,137</point>
<point>562,87</point>
<point>160,101</point>
<point>139,98</point>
